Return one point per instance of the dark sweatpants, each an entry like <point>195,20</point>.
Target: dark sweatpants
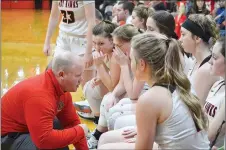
<point>24,142</point>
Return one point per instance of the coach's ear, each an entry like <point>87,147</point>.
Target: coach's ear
<point>61,75</point>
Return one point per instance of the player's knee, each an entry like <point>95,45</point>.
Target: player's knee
<point>104,139</point>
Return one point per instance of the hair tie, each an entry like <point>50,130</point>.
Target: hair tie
<point>139,30</point>
<point>168,40</point>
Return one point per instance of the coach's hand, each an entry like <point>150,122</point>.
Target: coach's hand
<point>47,49</point>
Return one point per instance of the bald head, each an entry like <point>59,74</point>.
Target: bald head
<point>65,61</point>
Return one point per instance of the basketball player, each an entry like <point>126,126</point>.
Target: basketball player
<point>75,30</point>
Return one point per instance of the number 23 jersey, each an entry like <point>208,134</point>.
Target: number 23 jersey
<point>73,16</point>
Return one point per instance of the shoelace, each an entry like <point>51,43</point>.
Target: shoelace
<point>92,143</point>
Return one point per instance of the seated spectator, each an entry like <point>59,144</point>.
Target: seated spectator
<point>198,7</point>
<point>122,12</point>
<point>180,17</point>
<point>220,17</point>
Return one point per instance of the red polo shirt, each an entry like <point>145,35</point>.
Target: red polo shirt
<point>31,106</point>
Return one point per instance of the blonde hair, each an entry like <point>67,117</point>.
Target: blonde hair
<point>162,56</point>
<point>126,32</point>
<point>151,11</point>
<point>208,25</point>
<point>142,13</point>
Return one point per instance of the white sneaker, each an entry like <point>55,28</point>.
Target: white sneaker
<point>84,103</point>
<point>88,116</point>
<point>82,106</point>
<point>92,142</point>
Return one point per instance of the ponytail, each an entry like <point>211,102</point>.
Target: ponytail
<point>174,75</point>
<point>163,57</point>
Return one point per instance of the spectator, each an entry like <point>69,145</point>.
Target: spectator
<point>198,7</point>
<point>124,12</point>
<point>220,17</point>
<point>158,5</point>
<point>180,17</point>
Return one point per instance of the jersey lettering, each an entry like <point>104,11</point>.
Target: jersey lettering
<point>68,3</point>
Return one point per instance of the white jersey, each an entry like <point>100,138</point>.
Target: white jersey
<point>178,131</point>
<point>189,68</point>
<point>73,20</point>
<point>188,64</point>
<point>214,101</point>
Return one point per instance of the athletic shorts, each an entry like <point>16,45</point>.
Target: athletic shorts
<point>67,42</point>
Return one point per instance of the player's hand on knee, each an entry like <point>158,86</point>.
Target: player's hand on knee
<point>85,128</point>
<point>131,140</point>
<point>47,49</point>
<point>129,133</point>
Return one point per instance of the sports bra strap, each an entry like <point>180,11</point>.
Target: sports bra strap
<point>170,87</point>
<point>205,60</point>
